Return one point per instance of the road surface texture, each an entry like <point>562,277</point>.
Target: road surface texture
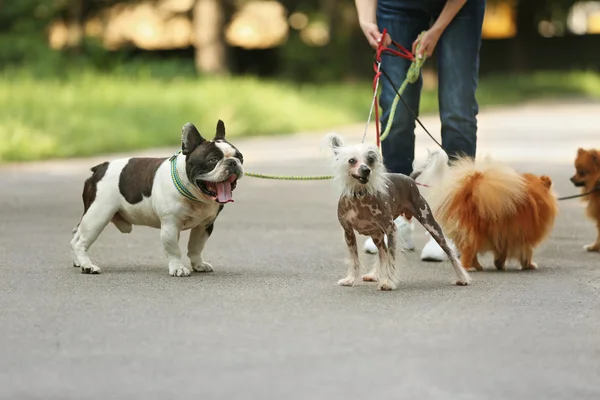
<point>270,322</point>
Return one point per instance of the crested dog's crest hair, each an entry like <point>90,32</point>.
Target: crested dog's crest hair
<point>347,159</point>
<point>487,206</point>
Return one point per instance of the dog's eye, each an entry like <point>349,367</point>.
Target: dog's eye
<point>582,173</point>
<point>352,161</point>
<point>213,160</point>
<point>370,160</point>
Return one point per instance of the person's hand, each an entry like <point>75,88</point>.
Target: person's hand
<point>428,42</point>
<point>371,32</point>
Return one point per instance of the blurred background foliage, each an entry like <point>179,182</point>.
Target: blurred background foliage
<point>88,76</point>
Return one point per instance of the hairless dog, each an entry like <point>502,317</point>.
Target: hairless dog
<point>370,200</point>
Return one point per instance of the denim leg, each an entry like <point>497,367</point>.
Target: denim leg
<point>458,74</point>
<point>399,147</point>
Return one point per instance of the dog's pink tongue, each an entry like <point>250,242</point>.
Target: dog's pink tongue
<point>224,192</point>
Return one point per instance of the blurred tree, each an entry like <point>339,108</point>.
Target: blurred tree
<point>529,14</point>
<point>22,28</point>
<point>209,22</point>
<point>324,42</point>
<point>75,23</point>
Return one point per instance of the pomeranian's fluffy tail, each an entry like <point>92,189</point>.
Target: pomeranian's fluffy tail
<point>487,188</point>
<point>477,191</point>
<point>494,190</point>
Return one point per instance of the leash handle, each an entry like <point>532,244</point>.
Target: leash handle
<point>412,76</point>
<point>401,52</point>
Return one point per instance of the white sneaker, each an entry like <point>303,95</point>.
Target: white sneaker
<point>433,252</point>
<point>405,229</point>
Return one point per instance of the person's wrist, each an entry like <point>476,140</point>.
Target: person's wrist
<point>436,30</point>
<point>366,23</point>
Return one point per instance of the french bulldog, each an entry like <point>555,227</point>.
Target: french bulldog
<point>185,191</point>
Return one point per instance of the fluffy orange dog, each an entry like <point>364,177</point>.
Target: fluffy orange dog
<point>488,207</point>
<point>587,177</point>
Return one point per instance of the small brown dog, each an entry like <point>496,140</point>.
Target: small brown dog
<point>587,177</point>
<point>369,202</point>
<point>487,206</point>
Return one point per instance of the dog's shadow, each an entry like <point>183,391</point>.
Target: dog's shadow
<point>407,286</point>
<point>507,270</point>
<point>160,270</point>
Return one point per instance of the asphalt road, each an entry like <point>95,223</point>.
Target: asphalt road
<point>270,322</point>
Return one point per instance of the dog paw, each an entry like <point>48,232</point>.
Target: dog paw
<point>386,286</point>
<point>463,280</point>
<point>591,247</point>
<point>370,277</point>
<point>202,267</point>
<point>473,269</point>
<point>90,269</point>
<point>531,265</point>
<point>179,271</point>
<point>348,281</point>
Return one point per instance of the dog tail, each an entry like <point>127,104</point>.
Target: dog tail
<point>478,191</point>
<point>431,169</point>
<point>430,172</point>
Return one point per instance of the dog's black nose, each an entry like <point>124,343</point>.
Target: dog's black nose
<point>363,170</point>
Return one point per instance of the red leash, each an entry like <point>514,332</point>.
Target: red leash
<point>401,52</point>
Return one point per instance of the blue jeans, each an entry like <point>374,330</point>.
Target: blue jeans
<point>457,53</point>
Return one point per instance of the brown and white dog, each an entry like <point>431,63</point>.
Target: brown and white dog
<point>370,200</point>
<point>186,191</point>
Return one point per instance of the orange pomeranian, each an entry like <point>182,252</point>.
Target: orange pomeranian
<point>485,206</point>
<point>587,177</point>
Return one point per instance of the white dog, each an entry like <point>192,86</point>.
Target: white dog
<point>186,191</point>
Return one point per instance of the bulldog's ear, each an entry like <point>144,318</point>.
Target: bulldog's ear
<point>220,135</point>
<point>190,139</point>
<point>580,151</point>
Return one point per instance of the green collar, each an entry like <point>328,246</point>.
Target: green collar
<point>177,181</point>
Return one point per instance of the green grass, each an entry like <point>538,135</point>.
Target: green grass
<point>90,113</point>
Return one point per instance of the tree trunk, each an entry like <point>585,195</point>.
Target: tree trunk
<point>208,37</point>
<point>75,25</point>
<point>330,52</point>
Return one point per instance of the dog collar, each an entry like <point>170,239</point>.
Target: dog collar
<point>177,181</point>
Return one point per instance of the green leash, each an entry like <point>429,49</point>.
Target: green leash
<point>413,74</point>
<point>289,178</point>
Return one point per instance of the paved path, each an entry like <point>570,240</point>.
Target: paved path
<point>270,323</point>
